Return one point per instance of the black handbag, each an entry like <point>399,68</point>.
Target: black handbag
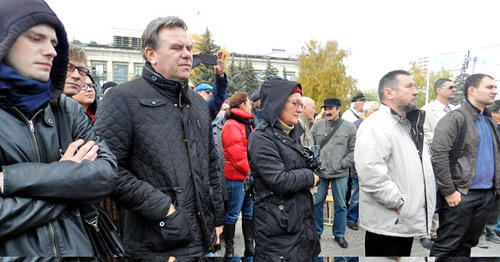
<point>100,228</point>
<point>102,231</point>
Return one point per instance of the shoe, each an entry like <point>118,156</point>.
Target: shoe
<point>229,238</point>
<point>248,237</point>
<point>482,242</point>
<point>341,241</point>
<point>427,242</point>
<point>493,237</point>
<point>352,225</point>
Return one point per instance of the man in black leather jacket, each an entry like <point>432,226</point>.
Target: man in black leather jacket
<point>42,177</point>
<point>161,134</point>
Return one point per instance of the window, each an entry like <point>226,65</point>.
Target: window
<point>138,69</point>
<point>120,73</point>
<point>289,76</point>
<point>99,71</point>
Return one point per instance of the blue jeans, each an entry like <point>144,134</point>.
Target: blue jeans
<point>237,201</point>
<point>339,191</point>
<point>353,211</point>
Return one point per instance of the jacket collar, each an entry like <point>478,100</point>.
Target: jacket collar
<point>474,111</point>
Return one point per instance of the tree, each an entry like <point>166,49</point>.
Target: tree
<point>241,78</point>
<point>284,72</point>
<point>271,71</point>
<point>419,76</point>
<point>205,44</point>
<point>322,73</point>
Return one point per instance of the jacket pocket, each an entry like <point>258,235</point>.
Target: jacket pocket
<point>172,232</point>
<point>283,217</point>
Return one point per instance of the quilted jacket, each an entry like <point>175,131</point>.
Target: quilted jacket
<point>161,134</point>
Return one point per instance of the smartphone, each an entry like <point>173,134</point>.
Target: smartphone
<point>204,59</point>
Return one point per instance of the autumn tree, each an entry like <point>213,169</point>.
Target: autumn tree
<point>322,73</point>
<point>419,76</point>
<point>206,45</point>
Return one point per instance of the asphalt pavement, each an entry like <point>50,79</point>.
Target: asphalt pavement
<point>355,239</point>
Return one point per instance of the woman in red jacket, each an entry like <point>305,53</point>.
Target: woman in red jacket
<point>234,138</point>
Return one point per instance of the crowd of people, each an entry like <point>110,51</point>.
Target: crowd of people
<point>178,164</point>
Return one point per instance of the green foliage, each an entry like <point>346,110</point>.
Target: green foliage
<point>419,76</point>
<point>460,83</point>
<point>241,78</point>
<point>271,71</point>
<point>205,73</point>
<point>322,73</point>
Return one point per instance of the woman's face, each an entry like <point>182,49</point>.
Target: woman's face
<point>247,106</point>
<point>291,110</point>
<point>86,95</point>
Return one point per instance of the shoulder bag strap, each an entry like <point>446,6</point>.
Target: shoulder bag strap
<point>329,136</point>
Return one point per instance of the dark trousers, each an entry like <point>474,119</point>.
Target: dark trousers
<point>461,226</point>
<point>387,246</point>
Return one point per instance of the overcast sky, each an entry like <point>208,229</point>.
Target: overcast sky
<point>381,35</point>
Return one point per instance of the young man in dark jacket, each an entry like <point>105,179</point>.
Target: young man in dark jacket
<point>467,169</point>
<point>42,179</point>
<point>161,133</point>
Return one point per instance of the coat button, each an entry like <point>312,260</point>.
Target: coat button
<point>154,78</point>
<point>50,120</point>
<point>284,141</point>
<point>153,102</point>
<point>281,207</point>
<point>162,224</point>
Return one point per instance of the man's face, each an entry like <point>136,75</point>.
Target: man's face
<point>358,105</point>
<point>485,93</point>
<point>75,78</point>
<point>496,116</point>
<point>372,110</point>
<point>33,52</point>
<point>309,110</point>
<point>205,94</point>
<point>332,112</point>
<point>172,58</point>
<point>447,91</point>
<point>405,95</point>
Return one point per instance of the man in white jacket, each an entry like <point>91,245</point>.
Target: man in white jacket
<point>398,194</point>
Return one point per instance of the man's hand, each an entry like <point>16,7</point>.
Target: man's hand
<point>171,210</point>
<point>77,151</point>
<point>219,68</point>
<point>453,199</point>
<point>218,231</point>
<point>316,179</point>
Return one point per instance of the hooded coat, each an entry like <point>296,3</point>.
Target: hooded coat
<point>283,205</point>
<point>39,213</point>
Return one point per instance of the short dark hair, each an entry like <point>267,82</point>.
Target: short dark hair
<point>150,35</point>
<point>440,82</point>
<point>473,80</point>
<point>389,80</point>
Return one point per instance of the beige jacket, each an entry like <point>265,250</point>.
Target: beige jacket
<point>391,175</point>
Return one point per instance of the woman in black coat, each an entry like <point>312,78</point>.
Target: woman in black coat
<point>283,205</point>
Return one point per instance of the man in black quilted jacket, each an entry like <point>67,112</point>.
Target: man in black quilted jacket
<point>161,133</point>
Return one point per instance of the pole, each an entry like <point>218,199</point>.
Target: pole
<point>428,80</point>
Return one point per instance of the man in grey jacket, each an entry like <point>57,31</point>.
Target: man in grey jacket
<point>337,155</point>
<point>467,167</point>
<point>397,188</point>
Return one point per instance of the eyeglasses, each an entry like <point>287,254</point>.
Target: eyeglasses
<point>297,103</point>
<point>81,70</point>
<point>87,87</point>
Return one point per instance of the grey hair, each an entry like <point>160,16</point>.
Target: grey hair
<point>77,53</point>
<point>368,105</point>
<point>150,35</point>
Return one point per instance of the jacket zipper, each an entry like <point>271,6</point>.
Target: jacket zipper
<point>32,130</point>
<point>53,239</point>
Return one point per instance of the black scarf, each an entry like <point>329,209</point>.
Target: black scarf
<point>249,125</point>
